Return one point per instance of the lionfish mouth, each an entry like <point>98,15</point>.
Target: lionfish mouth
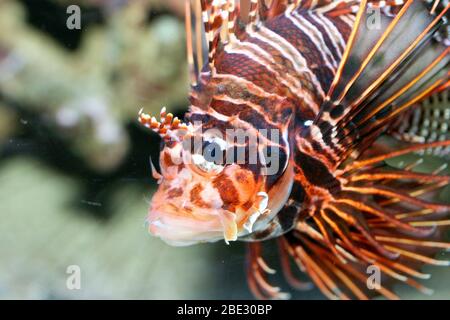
<point>178,224</point>
<point>178,227</point>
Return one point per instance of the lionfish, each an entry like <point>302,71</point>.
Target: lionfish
<point>317,86</point>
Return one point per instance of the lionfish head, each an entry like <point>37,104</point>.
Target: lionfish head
<point>207,191</point>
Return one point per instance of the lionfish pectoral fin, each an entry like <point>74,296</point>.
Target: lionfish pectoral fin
<point>363,216</point>
<point>387,67</point>
<point>257,271</point>
<point>382,220</point>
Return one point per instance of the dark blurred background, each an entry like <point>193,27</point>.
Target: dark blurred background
<point>75,178</point>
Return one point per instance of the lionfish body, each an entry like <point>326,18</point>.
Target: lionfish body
<point>282,139</point>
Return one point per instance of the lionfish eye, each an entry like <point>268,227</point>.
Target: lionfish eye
<point>204,165</point>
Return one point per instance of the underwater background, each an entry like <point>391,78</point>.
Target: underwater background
<point>75,178</point>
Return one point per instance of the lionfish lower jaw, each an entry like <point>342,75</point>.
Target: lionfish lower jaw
<point>172,225</point>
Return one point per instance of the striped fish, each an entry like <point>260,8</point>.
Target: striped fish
<point>289,101</point>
